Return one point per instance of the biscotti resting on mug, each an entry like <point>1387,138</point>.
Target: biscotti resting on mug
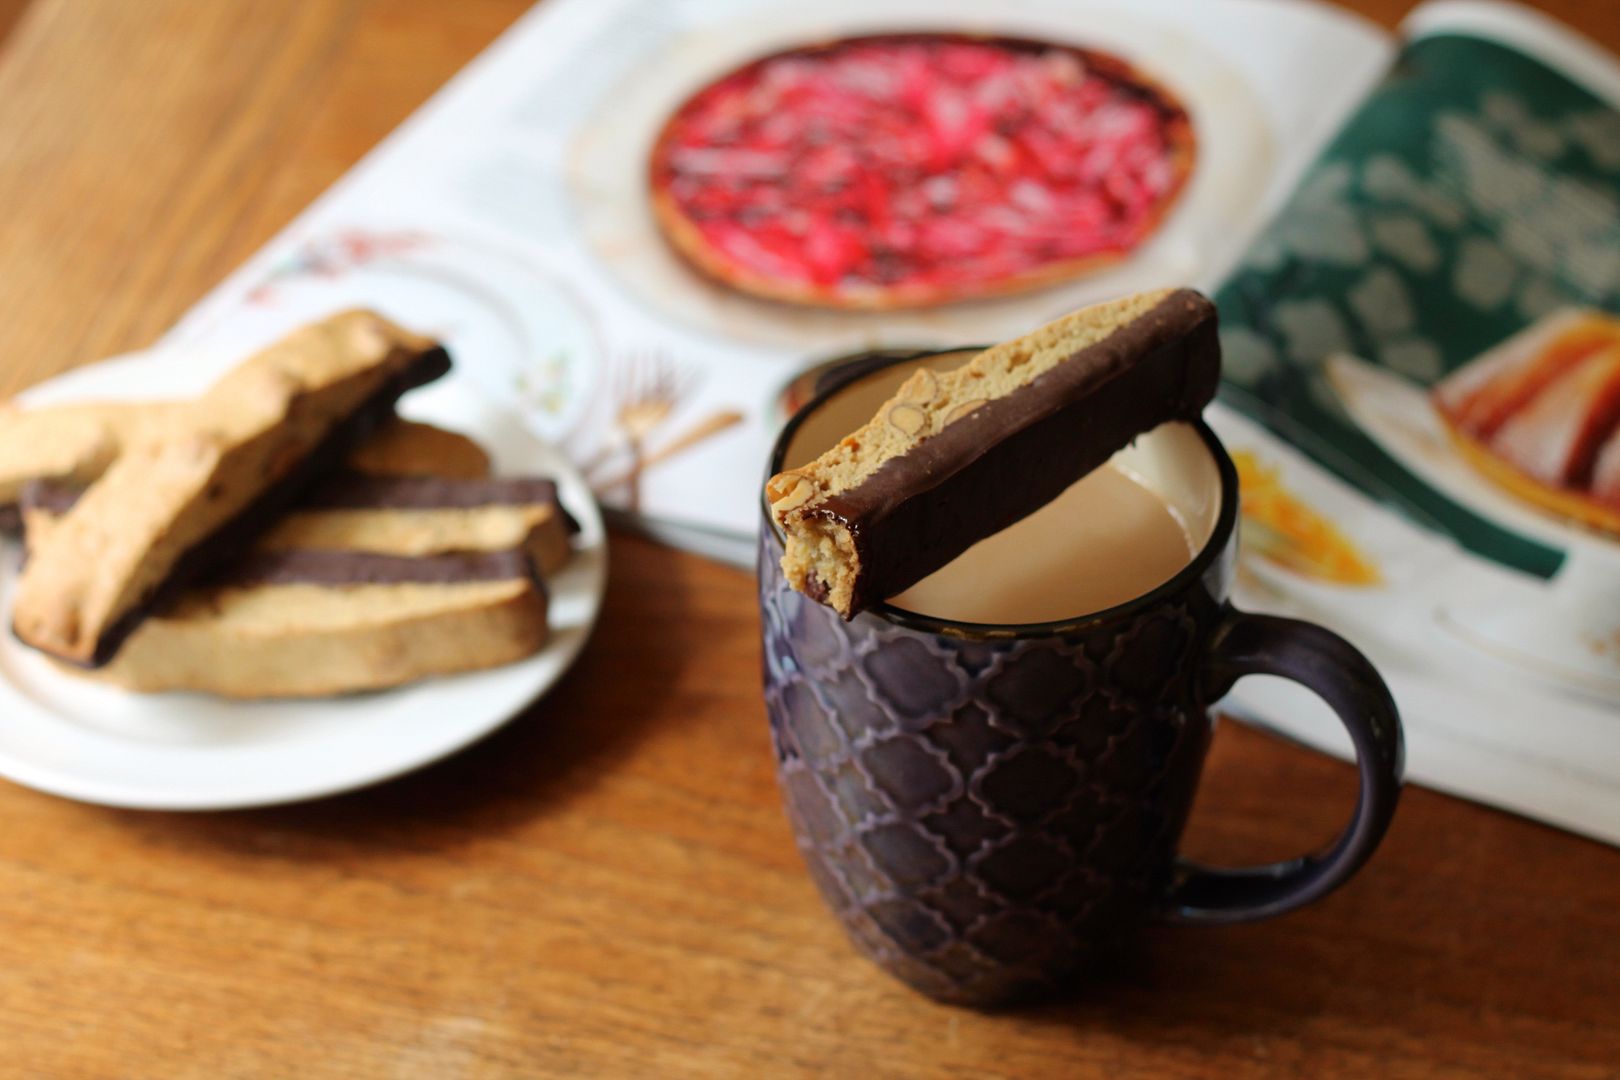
<point>959,455</point>
<point>177,501</point>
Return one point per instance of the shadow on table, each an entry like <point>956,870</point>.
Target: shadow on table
<point>1254,988</point>
<point>1180,986</point>
<point>543,759</point>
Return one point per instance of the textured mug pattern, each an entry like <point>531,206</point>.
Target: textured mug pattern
<point>985,814</point>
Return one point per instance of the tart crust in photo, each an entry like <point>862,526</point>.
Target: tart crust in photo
<point>913,170</point>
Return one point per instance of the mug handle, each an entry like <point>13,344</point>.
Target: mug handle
<point>1324,662</point>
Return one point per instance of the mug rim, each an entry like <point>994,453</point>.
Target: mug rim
<point>1219,537</point>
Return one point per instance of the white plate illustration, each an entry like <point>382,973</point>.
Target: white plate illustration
<point>1567,631</point>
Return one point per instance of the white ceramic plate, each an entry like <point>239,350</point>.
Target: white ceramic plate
<point>190,752</point>
<point>1397,414</point>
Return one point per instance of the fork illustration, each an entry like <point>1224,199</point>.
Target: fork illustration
<point>647,388</point>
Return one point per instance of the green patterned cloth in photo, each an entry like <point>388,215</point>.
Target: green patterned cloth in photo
<point>1473,192</point>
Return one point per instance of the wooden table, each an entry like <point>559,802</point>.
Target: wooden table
<point>608,887</point>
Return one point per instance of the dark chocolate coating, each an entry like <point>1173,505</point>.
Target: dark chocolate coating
<point>239,533</point>
<point>338,568</point>
<point>10,519</point>
<point>1016,453</point>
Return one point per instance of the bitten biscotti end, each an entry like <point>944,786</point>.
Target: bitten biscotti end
<point>958,455</point>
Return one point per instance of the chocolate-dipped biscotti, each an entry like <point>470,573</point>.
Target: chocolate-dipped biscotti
<point>413,516</point>
<point>956,456</point>
<point>70,446</point>
<point>176,502</point>
<point>318,623</point>
<point>377,578</point>
<point>416,516</point>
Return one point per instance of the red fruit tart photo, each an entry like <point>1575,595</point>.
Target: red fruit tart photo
<point>1539,415</point>
<point>909,170</point>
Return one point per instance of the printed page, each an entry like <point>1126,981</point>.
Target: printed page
<point>514,215</point>
<point>1423,395</point>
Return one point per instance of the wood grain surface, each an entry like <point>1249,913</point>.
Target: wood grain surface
<point>608,887</point>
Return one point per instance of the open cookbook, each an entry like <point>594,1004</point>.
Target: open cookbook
<point>643,225</point>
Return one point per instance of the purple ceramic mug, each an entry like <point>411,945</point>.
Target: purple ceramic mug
<point>986,807</point>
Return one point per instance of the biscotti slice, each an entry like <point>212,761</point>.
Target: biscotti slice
<point>71,444</point>
<point>389,502</point>
<point>959,455</point>
<point>423,515</point>
<point>373,581</point>
<point>176,502</point>
<point>409,517</point>
<point>409,448</point>
<point>74,444</point>
<point>309,624</point>
<point>398,448</point>
<point>414,490</point>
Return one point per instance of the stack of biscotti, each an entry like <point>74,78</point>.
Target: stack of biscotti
<point>282,535</point>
